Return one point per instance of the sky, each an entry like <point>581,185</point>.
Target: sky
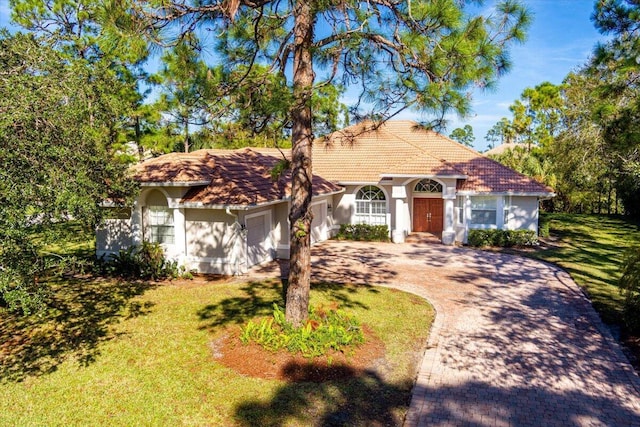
<point>560,39</point>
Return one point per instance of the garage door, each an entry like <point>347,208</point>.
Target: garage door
<point>258,249</point>
<point>318,224</point>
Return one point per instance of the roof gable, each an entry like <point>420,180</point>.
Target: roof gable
<point>367,151</point>
<point>233,177</point>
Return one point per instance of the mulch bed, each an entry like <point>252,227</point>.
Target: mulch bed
<point>254,361</point>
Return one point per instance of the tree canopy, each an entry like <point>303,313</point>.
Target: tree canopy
<point>57,117</point>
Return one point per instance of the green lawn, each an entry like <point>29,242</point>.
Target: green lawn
<point>591,248</point>
<point>116,353</point>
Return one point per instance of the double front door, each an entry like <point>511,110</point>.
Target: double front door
<point>427,215</point>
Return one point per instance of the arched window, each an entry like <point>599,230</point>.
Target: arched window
<point>371,206</point>
<point>428,186</point>
<point>159,219</point>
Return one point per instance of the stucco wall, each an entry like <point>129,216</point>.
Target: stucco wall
<point>523,213</point>
<point>210,233</point>
<point>115,233</point>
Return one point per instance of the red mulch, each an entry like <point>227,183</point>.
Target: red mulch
<point>254,361</point>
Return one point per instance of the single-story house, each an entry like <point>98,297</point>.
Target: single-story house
<point>220,211</point>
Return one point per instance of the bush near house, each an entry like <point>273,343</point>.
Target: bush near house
<point>146,262</point>
<point>364,232</point>
<point>502,238</point>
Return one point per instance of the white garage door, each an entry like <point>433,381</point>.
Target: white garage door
<point>318,224</point>
<point>258,248</point>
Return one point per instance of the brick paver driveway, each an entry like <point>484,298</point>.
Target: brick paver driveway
<point>515,342</point>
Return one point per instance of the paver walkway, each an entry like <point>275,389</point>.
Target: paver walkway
<point>514,343</point>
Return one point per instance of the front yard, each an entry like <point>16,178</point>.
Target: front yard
<point>120,353</point>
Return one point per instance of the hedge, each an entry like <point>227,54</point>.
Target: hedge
<point>364,232</point>
<point>502,238</point>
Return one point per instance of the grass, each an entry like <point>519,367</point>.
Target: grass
<point>591,248</point>
<point>71,238</point>
<point>119,353</point>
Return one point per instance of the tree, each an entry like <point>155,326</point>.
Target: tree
<point>618,92</point>
<point>420,55</point>
<point>502,132</point>
<point>55,134</point>
<point>187,86</point>
<point>463,135</point>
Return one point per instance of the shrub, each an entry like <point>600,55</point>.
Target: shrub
<point>543,226</point>
<point>364,232</point>
<point>502,238</point>
<point>146,262</point>
<point>630,288</point>
<point>324,330</point>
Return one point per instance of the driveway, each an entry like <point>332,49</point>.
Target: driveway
<point>514,343</point>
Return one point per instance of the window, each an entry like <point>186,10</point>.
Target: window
<point>460,210</point>
<point>483,210</point>
<point>371,206</point>
<point>160,225</point>
<point>428,186</point>
<point>507,211</point>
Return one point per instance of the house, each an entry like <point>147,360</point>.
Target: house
<point>220,211</point>
<point>215,211</point>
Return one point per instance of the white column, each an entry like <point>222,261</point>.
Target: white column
<point>399,195</point>
<point>449,233</point>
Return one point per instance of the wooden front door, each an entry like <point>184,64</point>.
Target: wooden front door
<point>427,215</point>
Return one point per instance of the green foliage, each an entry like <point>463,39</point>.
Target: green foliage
<point>502,238</point>
<point>324,331</point>
<point>58,116</point>
<point>630,288</point>
<point>544,225</point>
<point>147,262</point>
<point>364,232</point>
<point>463,135</point>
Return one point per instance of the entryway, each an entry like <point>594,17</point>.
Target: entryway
<point>427,215</point>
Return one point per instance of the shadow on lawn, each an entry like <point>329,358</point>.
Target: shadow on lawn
<point>74,323</point>
<point>364,400</point>
<point>258,299</point>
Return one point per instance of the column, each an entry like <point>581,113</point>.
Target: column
<point>136,224</point>
<point>449,232</point>
<point>399,196</point>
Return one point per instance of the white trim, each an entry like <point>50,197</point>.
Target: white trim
<point>200,205</point>
<point>360,183</point>
<point>387,199</point>
<point>505,193</point>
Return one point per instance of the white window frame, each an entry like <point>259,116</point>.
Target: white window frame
<point>460,208</point>
<point>428,186</point>
<point>371,206</point>
<point>481,208</point>
<point>160,225</point>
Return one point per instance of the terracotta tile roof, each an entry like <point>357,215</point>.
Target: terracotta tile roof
<point>365,152</point>
<point>234,178</point>
<point>176,168</point>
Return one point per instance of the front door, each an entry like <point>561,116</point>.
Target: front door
<point>427,215</point>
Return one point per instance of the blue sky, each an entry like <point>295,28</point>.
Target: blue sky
<point>561,38</point>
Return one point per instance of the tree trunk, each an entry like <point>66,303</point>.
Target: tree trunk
<point>297,304</point>
<point>186,136</point>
